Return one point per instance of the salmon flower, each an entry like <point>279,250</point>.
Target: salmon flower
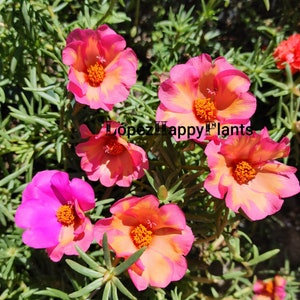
<point>52,214</point>
<point>101,69</point>
<point>244,170</point>
<point>288,52</point>
<point>200,92</point>
<point>272,289</point>
<point>109,158</point>
<point>138,222</point>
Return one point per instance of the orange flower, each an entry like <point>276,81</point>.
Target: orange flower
<point>140,222</point>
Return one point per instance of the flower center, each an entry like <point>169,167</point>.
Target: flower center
<point>113,147</point>
<point>141,236</point>
<point>95,74</point>
<point>205,110</point>
<point>243,172</point>
<point>66,215</point>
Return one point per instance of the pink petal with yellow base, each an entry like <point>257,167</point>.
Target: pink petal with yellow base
<point>109,158</point>
<point>207,92</point>
<point>245,174</point>
<point>138,222</point>
<point>101,70</point>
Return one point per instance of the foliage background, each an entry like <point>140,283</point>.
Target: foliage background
<point>39,124</point>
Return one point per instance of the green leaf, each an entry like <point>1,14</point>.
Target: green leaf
<point>150,179</point>
<point>116,281</point>
<point>2,95</point>
<point>8,214</point>
<point>263,257</point>
<point>25,15</point>
<point>233,275</point>
<point>83,270</point>
<point>107,291</point>
<point>90,261</point>
<point>8,267</point>
<point>88,289</point>
<point>122,3</point>
<point>114,292</point>
<point>53,293</point>
<point>267,4</point>
<point>14,175</point>
<point>128,262</point>
<point>106,252</point>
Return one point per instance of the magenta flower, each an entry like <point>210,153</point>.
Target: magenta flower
<point>138,222</point>
<point>109,158</point>
<point>245,172</point>
<point>201,92</point>
<point>101,69</point>
<point>52,214</point>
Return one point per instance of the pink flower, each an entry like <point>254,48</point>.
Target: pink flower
<point>139,221</point>
<point>288,51</point>
<point>110,158</point>
<point>101,69</point>
<point>52,214</point>
<point>273,289</point>
<point>200,92</point>
<point>245,172</point>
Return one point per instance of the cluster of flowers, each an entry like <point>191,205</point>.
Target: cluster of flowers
<point>53,207</point>
<point>244,170</point>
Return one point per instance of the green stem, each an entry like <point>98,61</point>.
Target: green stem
<point>296,111</point>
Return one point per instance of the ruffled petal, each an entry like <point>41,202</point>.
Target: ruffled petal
<point>282,184</point>
<point>60,185</point>
<point>40,188</point>
<point>83,193</point>
<point>255,205</point>
<point>154,261</point>
<point>179,92</point>
<point>31,216</point>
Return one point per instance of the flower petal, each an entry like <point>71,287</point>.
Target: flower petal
<point>83,193</point>
<point>179,92</point>
<point>255,205</point>
<point>31,216</point>
<point>153,261</point>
